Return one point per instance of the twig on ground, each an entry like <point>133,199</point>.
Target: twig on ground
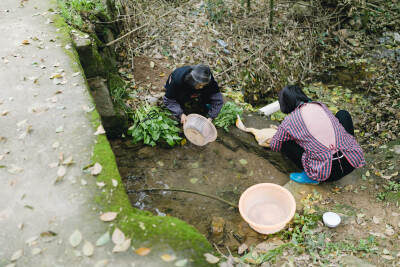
<point>187,191</point>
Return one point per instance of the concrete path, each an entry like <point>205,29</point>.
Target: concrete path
<point>41,121</point>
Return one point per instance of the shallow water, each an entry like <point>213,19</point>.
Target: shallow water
<point>212,169</point>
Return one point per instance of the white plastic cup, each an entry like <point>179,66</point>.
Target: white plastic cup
<point>331,219</point>
<point>270,109</point>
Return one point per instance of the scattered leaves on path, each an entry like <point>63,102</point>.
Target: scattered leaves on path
<point>14,169</point>
<point>108,216</point>
<point>16,255</point>
<point>61,171</point>
<point>60,129</point>
<point>4,113</point>
<point>53,165</point>
<point>100,184</point>
<point>100,130</point>
<point>48,236</point>
<point>68,161</point>
<point>36,251</point>
<point>211,258</point>
<point>97,168</point>
<point>87,249</point>
<point>118,237</point>
<point>31,240</point>
<point>75,238</point>
<point>87,109</point>
<point>143,251</point>
<point>122,247</point>
<point>104,239</point>
<point>22,123</point>
<point>102,263</point>
<point>181,263</point>
<point>168,258</point>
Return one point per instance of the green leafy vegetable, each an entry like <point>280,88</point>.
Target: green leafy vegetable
<point>152,124</point>
<point>228,115</point>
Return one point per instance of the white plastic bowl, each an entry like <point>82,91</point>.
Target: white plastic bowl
<point>331,219</point>
<point>267,207</point>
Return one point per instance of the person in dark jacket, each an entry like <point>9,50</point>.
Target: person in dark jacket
<point>189,83</point>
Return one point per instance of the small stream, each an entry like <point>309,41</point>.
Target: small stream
<point>213,169</point>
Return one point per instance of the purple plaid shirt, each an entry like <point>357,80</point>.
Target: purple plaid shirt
<point>317,158</point>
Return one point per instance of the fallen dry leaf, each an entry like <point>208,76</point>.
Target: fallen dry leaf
<point>102,263</point>
<point>242,248</point>
<point>118,237</point>
<point>104,239</point>
<point>22,123</point>
<point>60,129</point>
<point>122,247</point>
<point>181,263</point>
<point>168,258</point>
<point>211,258</point>
<point>143,251</point>
<point>97,168</point>
<point>108,216</point>
<point>61,171</point>
<point>87,249</point>
<point>75,238</point>
<point>36,251</point>
<point>5,112</point>
<point>100,130</point>
<point>67,161</point>
<point>17,254</point>
<point>100,184</point>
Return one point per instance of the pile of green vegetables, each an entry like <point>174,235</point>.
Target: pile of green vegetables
<point>228,115</point>
<point>152,124</point>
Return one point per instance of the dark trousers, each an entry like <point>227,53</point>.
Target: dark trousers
<point>294,151</point>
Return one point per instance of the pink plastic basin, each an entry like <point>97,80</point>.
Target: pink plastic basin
<point>267,207</point>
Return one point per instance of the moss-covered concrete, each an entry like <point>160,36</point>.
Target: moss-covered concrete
<point>144,228</point>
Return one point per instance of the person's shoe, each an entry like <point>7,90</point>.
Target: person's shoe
<point>302,178</point>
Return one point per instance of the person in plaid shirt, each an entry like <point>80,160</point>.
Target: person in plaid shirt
<point>318,142</point>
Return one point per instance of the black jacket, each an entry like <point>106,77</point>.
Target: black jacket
<point>179,90</point>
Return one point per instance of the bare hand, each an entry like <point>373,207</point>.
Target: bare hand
<point>210,119</point>
<point>183,118</point>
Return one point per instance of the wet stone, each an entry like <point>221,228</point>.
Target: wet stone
<point>217,229</point>
<point>145,153</point>
<point>128,144</point>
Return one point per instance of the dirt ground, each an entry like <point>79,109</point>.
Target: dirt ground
<point>355,199</point>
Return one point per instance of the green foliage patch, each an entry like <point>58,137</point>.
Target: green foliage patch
<point>72,10</point>
<point>152,124</point>
<point>228,115</point>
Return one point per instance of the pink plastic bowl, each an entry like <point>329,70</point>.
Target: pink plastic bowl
<point>267,207</point>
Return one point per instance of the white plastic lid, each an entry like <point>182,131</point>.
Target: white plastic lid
<point>331,219</point>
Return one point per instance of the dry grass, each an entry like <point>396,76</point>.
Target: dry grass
<point>261,59</point>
